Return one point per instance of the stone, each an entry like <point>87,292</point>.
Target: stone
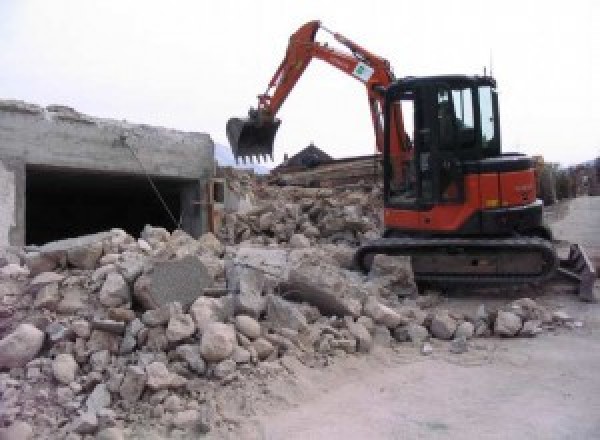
<point>99,275</point>
<point>224,368</point>
<point>382,314</point>
<point>99,360</point>
<point>190,420</point>
<point>173,403</point>
<point>43,279</point>
<point>240,355</point>
<point>394,271</point>
<point>158,376</point>
<point>442,326</point>
<point>459,345</point>
<point>47,297</point>
<point>144,246</point>
<point>81,328</point>
<point>131,268</point>
<point>109,325</point>
<point>73,301</point>
<point>112,433</point>
<point>128,343</point>
<point>13,271</point>
<point>179,280</point>
<point>153,233</point>
<point>114,291</point>
<point>18,430</point>
<point>209,243</point>
<point>283,313</point>
<point>205,311</point>
<point>299,241</point>
<point>263,348</point>
<point>561,317</point>
<point>426,349</point>
<point>38,263</point>
<point>57,332</point>
<point>531,328</point>
<point>248,326</point>
<point>181,325</point>
<point>156,317</point>
<point>217,341</point>
<point>382,336</point>
<point>99,398</point>
<point>414,333</point>
<point>191,355</point>
<point>133,384</point>
<point>367,322</point>
<point>20,346</point>
<point>465,329</point>
<point>64,368</point>
<point>101,340</point>
<point>156,339</point>
<point>87,423</point>
<point>85,257</point>
<point>121,314</point>
<point>507,324</point>
<point>360,333</point>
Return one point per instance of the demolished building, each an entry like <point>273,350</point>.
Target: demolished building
<point>63,173</point>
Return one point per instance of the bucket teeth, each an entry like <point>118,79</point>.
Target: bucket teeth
<point>251,138</point>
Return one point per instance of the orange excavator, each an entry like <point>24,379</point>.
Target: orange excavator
<point>464,211</point>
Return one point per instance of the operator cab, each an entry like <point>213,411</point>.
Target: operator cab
<point>452,127</point>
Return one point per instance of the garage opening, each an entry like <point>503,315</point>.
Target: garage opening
<point>65,203</point>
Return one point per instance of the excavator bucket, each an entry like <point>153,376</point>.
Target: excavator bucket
<point>250,138</point>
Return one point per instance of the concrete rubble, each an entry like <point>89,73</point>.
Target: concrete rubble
<point>111,331</point>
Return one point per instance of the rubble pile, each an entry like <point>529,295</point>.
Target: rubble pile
<point>301,216</point>
<point>105,332</point>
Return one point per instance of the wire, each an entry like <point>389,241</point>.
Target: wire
<point>123,141</point>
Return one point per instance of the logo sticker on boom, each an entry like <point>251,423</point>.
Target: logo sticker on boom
<point>363,72</point>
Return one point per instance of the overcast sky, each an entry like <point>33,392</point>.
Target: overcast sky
<point>193,64</point>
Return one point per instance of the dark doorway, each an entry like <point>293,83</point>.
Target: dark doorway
<point>64,203</point>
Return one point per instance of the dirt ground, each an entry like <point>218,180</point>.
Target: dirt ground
<point>542,388</point>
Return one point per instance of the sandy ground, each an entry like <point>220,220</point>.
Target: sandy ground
<point>542,388</point>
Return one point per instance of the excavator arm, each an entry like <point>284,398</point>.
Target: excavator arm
<point>254,136</point>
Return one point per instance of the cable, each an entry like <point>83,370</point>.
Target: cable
<point>123,141</point>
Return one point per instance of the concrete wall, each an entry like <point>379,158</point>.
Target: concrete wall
<point>62,138</point>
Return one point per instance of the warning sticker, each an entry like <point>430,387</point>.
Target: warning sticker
<point>363,72</point>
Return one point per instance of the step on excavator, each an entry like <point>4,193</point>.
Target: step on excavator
<point>464,211</point>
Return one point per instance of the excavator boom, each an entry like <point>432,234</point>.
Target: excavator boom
<point>253,137</point>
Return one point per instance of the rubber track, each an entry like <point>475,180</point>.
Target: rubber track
<point>416,246</point>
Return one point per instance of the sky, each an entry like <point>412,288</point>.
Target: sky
<point>191,65</point>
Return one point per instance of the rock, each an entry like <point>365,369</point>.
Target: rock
<point>20,346</point>
<point>190,420</point>
<point>131,268</point>
<point>87,423</point>
<point>382,336</point>
<point>106,417</point>
<point>158,377</point>
<point>121,314</point>
<point>299,241</point>
<point>426,349</point>
<point>173,403</point>
<point>191,355</point>
<point>209,243</point>
<point>414,333</point>
<point>507,324</point>
<point>38,263</point>
<point>362,335</point>
<point>108,325</point>
<point>459,345</point>
<point>181,325</point>
<point>47,297</point>
<point>394,271</point>
<point>265,222</point>
<point>382,314</point>
<point>156,339</point>
<point>153,233</point>
<point>561,317</point>
<point>205,311</point>
<point>114,291</point>
<point>17,431</point>
<point>113,433</point>
<point>248,326</point>
<point>73,300</point>
<point>482,329</point>
<point>156,317</point>
<point>64,368</point>
<point>98,399</point>
<point>99,360</point>
<point>327,287</point>
<point>283,313</point>
<point>43,279</point>
<point>442,326</point>
<point>173,280</point>
<point>531,328</point>
<point>57,332</point>
<point>367,322</point>
<point>13,271</point>
<point>133,384</point>
<point>263,348</point>
<point>465,329</point>
<point>217,341</point>
<point>81,328</point>
<point>101,340</point>
<point>241,355</point>
<point>85,257</point>
<point>224,368</point>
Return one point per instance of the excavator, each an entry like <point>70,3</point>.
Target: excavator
<point>465,212</point>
